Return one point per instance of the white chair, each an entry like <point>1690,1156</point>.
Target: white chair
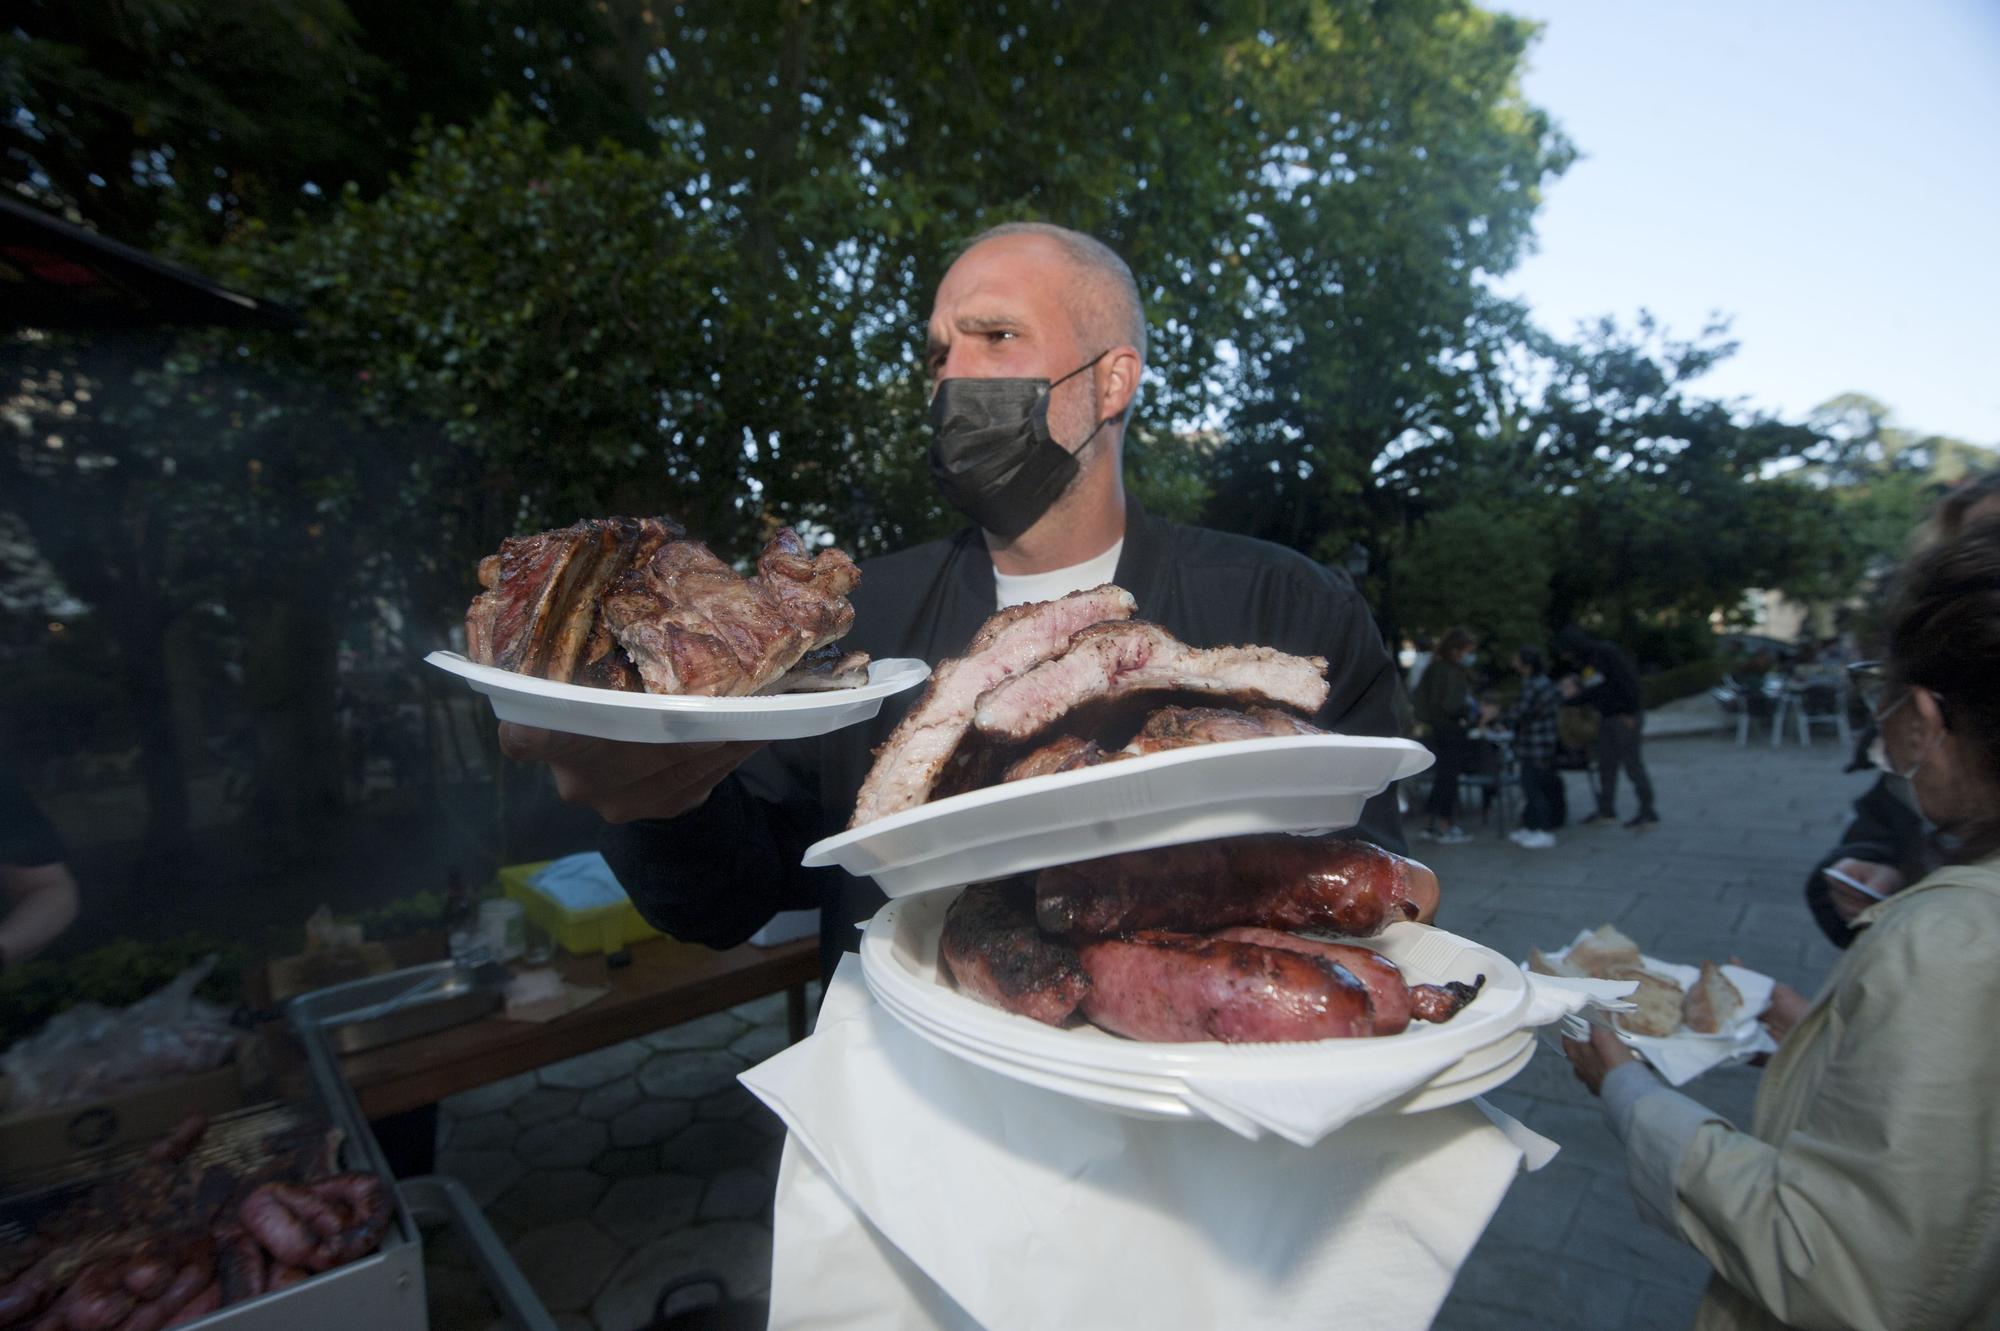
<point>1823,703</point>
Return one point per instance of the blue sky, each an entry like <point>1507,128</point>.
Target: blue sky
<point>1826,172</point>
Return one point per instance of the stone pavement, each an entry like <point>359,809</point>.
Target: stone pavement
<point>614,1173</point>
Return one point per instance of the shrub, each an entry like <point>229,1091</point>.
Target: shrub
<point>1680,682</point>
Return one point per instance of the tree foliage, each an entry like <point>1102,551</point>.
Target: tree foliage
<point>565,257</point>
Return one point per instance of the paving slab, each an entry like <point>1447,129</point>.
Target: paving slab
<point>587,1072</point>
<point>639,1209</point>
<point>567,1263</point>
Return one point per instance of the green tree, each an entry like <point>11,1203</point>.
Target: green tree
<point>1483,565</point>
<point>144,114</point>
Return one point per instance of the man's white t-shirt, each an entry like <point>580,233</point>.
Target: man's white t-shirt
<point>1058,582</point>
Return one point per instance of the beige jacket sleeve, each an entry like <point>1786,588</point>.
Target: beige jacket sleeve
<point>1880,1206</point>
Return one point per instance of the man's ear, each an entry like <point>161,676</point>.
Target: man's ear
<point>1931,714</point>
<point>1117,381</point>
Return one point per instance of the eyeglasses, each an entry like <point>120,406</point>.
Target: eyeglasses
<point>1871,683</point>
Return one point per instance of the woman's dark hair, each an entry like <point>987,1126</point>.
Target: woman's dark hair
<point>1944,635</point>
<point>1948,518</point>
<point>1453,642</point>
<point>1532,658</point>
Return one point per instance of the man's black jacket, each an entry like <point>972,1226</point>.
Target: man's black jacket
<point>1885,830</point>
<point>715,875</point>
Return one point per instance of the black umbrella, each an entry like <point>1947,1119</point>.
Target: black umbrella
<point>55,275</point>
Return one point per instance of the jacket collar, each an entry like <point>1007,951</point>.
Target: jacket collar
<point>1145,562</point>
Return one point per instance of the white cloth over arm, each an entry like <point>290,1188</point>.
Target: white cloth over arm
<point>973,1200</point>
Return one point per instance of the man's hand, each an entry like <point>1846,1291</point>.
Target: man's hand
<point>623,782</point>
<point>1595,1061</point>
<point>1568,687</point>
<point>1786,1007</point>
<point>1848,903</point>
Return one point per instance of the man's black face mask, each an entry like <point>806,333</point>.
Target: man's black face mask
<point>992,455</point>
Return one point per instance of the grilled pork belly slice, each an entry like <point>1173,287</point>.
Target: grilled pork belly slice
<point>1108,661</point>
<point>1015,640</point>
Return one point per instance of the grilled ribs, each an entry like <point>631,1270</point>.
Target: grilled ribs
<point>1015,640</point>
<point>1108,661</point>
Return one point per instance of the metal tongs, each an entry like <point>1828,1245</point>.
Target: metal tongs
<point>400,1001</point>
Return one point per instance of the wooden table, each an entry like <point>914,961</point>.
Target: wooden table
<point>667,983</point>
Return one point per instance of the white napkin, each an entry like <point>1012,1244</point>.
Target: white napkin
<point>1685,1055</point>
<point>1304,1107</point>
<point>920,1191</point>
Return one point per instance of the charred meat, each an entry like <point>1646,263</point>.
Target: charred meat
<point>1273,882</point>
<point>995,953</point>
<point>634,604</point>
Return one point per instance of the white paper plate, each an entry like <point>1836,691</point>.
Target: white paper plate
<point>899,959</point>
<point>655,718</point>
<point>1140,1096</point>
<point>1754,986</point>
<point>1239,788</point>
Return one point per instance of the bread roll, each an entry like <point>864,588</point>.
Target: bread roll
<point>1541,963</point>
<point>1713,1004</point>
<point>1603,952</point>
<point>1658,1000</point>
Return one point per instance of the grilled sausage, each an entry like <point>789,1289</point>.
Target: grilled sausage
<point>1178,987</point>
<point>1274,882</point>
<point>180,1141</point>
<point>1388,992</point>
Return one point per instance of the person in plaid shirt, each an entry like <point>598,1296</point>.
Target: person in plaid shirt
<point>1533,721</point>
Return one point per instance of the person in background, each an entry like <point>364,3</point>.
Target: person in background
<point>1867,1192</point>
<point>1533,719</point>
<point>1442,700</point>
<point>35,881</point>
<point>1420,660</point>
<point>1886,845</point>
<point>1613,689</point>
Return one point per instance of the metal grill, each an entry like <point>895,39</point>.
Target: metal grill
<point>239,1141</point>
<point>383,1291</point>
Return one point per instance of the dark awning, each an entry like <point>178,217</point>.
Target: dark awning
<point>55,275</point>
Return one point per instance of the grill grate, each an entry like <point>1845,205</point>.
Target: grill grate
<point>246,1142</point>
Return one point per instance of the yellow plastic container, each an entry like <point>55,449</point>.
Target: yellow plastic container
<point>580,932</point>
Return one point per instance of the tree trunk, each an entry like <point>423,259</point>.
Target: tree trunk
<point>289,674</point>
<point>142,649</point>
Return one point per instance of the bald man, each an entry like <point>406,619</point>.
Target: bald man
<point>1035,349</point>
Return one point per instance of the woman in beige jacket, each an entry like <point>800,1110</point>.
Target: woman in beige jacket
<point>1867,1193</point>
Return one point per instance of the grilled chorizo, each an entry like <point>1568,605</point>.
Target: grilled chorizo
<point>1173,987</point>
<point>1273,882</point>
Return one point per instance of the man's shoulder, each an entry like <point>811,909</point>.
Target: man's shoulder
<point>1201,548</point>
<point>908,561</point>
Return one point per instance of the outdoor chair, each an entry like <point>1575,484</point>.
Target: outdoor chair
<point>1494,781</point>
<point>1749,701</point>
<point>1819,704</point>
